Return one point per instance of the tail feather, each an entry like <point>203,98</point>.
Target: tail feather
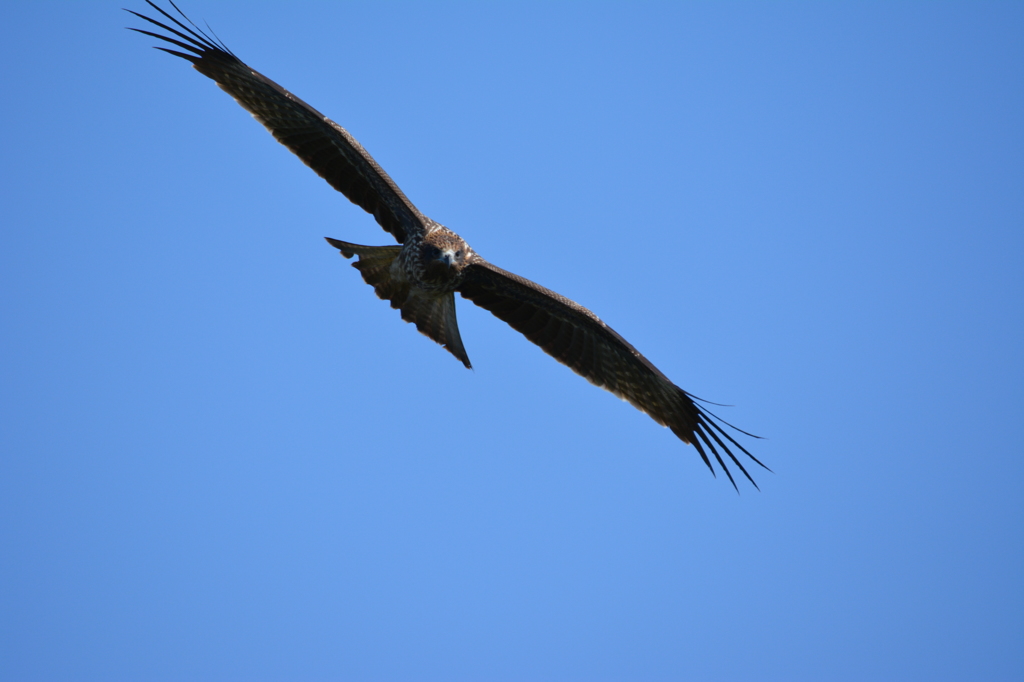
<point>434,316</point>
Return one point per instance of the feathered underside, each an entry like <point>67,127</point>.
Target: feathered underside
<point>322,144</point>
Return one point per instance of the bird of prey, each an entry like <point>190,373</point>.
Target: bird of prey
<point>420,275</point>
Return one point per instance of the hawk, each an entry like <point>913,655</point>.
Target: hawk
<point>420,275</point>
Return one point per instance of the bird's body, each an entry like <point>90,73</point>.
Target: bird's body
<point>421,274</point>
<point>420,278</point>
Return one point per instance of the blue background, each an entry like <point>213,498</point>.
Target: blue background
<point>221,457</point>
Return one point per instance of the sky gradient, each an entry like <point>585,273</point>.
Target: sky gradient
<point>222,457</point>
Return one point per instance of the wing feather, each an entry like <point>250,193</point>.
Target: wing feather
<point>322,144</point>
<point>577,338</point>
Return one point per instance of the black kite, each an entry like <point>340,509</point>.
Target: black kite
<point>421,274</point>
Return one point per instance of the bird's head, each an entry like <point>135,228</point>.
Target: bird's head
<point>444,253</point>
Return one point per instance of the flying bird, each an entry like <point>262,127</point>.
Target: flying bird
<point>420,275</point>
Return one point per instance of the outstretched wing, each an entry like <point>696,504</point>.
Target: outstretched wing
<point>577,338</point>
<point>322,144</point>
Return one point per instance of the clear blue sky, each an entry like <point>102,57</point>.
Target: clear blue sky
<point>222,457</point>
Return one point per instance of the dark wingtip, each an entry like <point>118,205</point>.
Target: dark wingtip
<point>707,433</point>
<point>195,40</point>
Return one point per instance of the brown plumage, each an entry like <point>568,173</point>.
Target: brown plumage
<point>421,275</point>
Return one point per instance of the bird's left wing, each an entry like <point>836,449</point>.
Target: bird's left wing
<point>322,144</point>
<point>576,337</point>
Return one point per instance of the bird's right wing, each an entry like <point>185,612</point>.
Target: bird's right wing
<point>576,337</point>
<point>322,144</point>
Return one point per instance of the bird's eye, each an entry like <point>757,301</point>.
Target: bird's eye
<point>458,254</point>
<point>434,252</point>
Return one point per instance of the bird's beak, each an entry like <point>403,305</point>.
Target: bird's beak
<point>448,257</point>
